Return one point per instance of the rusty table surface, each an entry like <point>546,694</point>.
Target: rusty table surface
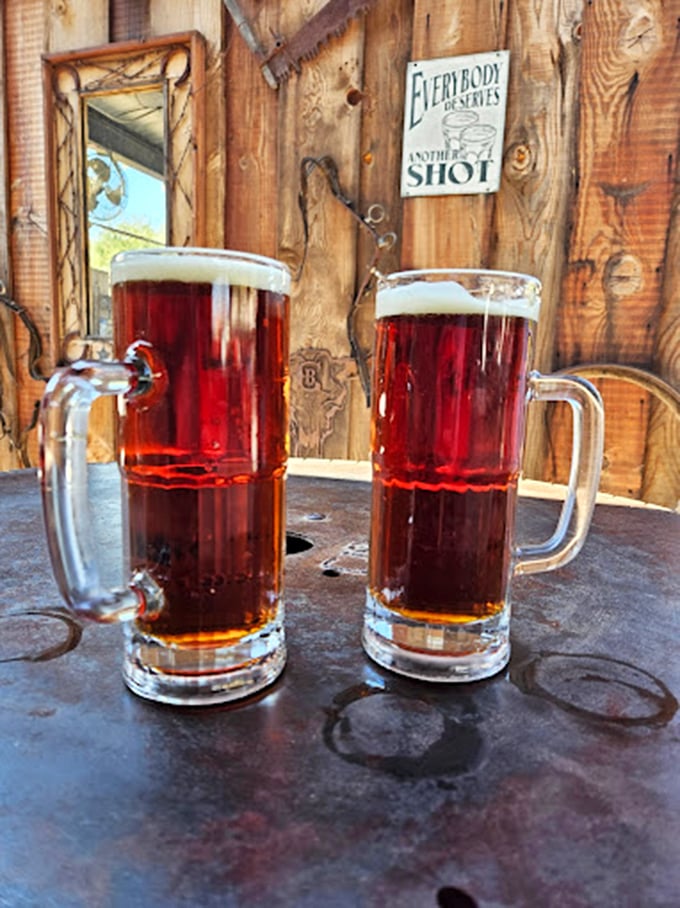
<point>555,783</point>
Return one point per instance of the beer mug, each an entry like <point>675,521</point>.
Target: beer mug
<point>201,375</point>
<point>450,386</point>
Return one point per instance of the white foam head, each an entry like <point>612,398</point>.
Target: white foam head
<point>201,266</point>
<point>406,294</point>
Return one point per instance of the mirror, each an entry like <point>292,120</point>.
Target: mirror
<point>125,188</point>
<point>125,169</point>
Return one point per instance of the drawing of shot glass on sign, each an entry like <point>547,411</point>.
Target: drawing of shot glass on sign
<point>453,125</point>
<point>477,142</point>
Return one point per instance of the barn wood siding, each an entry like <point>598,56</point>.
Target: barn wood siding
<point>589,198</point>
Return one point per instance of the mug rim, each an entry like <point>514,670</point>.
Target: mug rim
<point>415,273</point>
<point>444,291</point>
<point>247,268</point>
<point>202,252</point>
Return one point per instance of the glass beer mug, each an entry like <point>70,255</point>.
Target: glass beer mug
<point>450,387</point>
<point>201,343</point>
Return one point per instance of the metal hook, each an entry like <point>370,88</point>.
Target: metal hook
<point>387,240</point>
<point>375,214</point>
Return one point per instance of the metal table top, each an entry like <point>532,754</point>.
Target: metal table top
<point>555,783</point>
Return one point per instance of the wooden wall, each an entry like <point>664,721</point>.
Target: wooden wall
<point>589,200</point>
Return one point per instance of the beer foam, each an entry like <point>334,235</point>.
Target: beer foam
<point>201,266</point>
<point>447,297</point>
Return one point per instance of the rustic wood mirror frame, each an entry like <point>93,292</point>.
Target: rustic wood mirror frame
<point>175,64</point>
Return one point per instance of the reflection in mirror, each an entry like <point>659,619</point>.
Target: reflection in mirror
<point>125,188</point>
<point>125,167</point>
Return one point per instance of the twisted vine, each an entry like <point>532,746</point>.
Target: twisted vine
<point>381,243</point>
<point>35,352</point>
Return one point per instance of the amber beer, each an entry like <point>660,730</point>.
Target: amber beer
<point>204,450</point>
<point>446,455</point>
<point>449,389</point>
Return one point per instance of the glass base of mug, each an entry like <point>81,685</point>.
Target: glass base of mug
<point>202,676</point>
<point>436,652</point>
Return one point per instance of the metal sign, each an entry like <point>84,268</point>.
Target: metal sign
<point>454,120</point>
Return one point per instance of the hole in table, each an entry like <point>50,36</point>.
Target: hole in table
<point>331,572</point>
<point>295,543</point>
<point>452,897</point>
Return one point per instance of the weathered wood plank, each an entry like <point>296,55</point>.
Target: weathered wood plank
<point>530,223</point>
<point>388,38</point>
<point>661,466</point>
<point>317,120</point>
<point>252,177</point>
<point>70,26</point>
<point>69,29</point>
<point>8,390</point>
<point>206,17</point>
<point>628,128</point>
<point>589,176</point>
<point>26,39</point>
<point>203,15</point>
<point>452,231</point>
<point>661,474</point>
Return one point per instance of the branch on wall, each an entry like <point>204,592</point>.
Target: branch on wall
<point>382,242</point>
<point>19,441</point>
<point>35,349</point>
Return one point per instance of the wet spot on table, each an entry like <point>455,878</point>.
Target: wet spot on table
<point>37,636</point>
<point>597,687</point>
<point>402,735</point>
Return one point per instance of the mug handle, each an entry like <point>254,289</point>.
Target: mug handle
<point>584,476</point>
<point>62,431</point>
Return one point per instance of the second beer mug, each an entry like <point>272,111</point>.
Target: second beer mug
<point>201,338</point>
<point>451,383</point>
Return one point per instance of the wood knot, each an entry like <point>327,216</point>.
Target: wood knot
<point>519,161</point>
<point>622,275</point>
<point>641,37</point>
